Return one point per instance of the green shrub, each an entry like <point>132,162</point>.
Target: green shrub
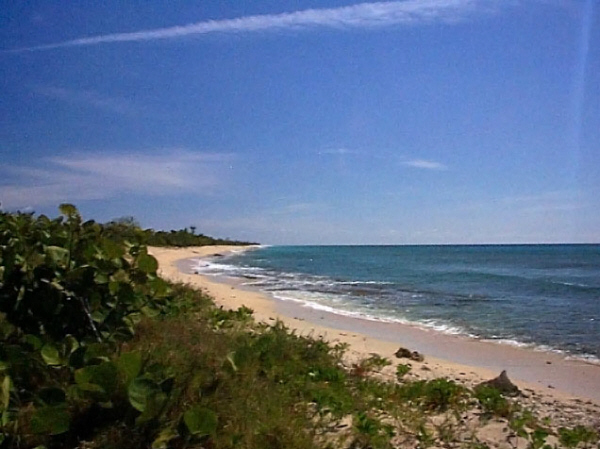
<point>492,401</point>
<point>402,370</point>
<point>572,438</point>
<point>69,297</point>
<point>437,394</point>
<point>371,432</point>
<point>372,363</point>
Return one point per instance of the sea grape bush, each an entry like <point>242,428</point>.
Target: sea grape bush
<point>62,278</point>
<point>69,296</point>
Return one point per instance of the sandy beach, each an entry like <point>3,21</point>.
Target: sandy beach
<point>557,387</point>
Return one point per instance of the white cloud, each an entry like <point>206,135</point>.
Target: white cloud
<point>89,177</point>
<point>338,151</point>
<point>297,208</point>
<point>425,164</point>
<point>88,98</point>
<point>362,15</point>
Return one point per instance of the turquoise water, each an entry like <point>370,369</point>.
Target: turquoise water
<point>544,296</point>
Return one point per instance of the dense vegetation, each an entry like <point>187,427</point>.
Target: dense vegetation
<point>98,352</point>
<point>127,228</point>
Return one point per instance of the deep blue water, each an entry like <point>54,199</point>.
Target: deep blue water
<point>546,296</point>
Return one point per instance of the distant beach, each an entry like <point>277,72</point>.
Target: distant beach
<point>547,377</point>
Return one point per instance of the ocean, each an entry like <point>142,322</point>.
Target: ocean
<point>546,297</point>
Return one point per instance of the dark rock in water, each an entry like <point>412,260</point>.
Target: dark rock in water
<point>217,255</point>
<point>503,384</point>
<point>403,353</point>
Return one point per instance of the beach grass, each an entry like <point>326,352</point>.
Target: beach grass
<point>267,387</point>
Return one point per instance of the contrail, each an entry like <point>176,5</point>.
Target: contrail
<point>579,86</point>
<point>581,67</point>
<point>363,15</point>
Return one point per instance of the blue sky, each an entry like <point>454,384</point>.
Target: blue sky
<point>308,122</point>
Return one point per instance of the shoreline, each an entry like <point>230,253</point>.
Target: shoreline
<point>544,376</point>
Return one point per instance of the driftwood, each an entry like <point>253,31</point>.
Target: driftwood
<point>503,384</point>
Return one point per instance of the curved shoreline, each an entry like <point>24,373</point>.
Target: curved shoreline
<point>548,376</point>
<point>591,360</point>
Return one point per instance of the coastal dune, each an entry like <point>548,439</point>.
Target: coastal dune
<point>551,382</point>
